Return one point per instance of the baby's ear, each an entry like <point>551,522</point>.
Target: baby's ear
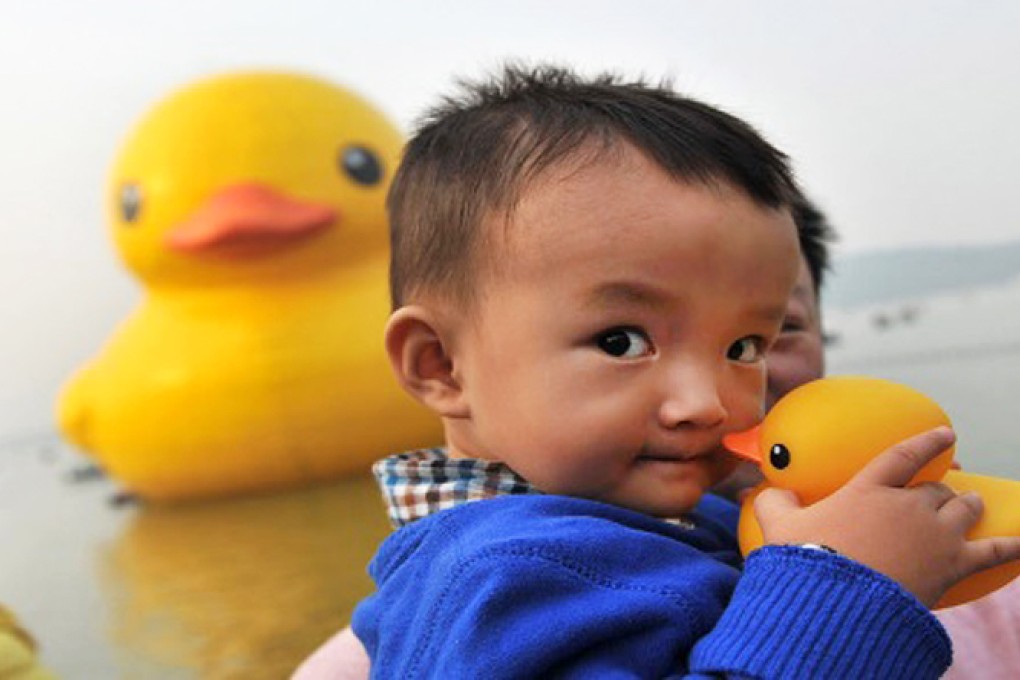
<point>419,355</point>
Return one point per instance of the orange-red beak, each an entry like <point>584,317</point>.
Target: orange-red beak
<point>249,214</point>
<point>745,445</point>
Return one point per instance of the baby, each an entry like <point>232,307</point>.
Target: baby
<point>586,275</point>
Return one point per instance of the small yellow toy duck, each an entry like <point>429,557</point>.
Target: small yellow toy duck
<point>820,434</point>
<point>251,207</point>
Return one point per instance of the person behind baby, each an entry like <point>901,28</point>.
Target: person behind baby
<point>586,274</point>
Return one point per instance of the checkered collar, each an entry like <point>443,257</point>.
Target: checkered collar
<point>419,483</point>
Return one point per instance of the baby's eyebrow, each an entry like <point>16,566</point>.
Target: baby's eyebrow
<point>630,293</point>
<point>626,293</point>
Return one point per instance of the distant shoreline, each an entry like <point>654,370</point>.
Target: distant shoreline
<point>909,274</point>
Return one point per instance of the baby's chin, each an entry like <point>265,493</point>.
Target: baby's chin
<point>674,500</point>
<point>673,506</point>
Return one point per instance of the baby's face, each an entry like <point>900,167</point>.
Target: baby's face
<point>625,334</point>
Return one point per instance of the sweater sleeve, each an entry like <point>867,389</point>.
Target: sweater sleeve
<point>800,613</point>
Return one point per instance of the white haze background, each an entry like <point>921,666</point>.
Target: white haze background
<point>900,118</point>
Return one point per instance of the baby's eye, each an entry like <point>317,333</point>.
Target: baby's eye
<point>626,343</point>
<point>792,324</point>
<point>746,350</point>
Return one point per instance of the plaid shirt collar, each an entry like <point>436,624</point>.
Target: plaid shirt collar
<point>423,482</point>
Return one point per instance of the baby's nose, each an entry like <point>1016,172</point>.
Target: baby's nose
<point>692,400</point>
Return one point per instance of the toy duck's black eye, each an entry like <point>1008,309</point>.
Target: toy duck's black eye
<point>361,165</point>
<point>779,456</point>
<point>130,202</point>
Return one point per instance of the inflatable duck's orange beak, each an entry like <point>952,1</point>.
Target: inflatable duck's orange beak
<point>744,445</point>
<point>243,217</point>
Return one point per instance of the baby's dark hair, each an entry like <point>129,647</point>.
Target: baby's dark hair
<point>472,157</point>
<point>815,234</point>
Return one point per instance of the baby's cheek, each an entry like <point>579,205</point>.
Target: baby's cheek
<point>746,404</point>
<point>725,465</point>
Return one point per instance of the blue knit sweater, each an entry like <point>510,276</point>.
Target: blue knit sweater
<point>533,586</point>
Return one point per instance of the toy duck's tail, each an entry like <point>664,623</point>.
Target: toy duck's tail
<point>1001,517</point>
<point>73,409</point>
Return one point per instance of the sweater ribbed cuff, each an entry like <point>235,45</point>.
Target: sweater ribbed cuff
<point>800,613</point>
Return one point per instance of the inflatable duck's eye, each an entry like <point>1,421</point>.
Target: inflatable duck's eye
<point>130,202</point>
<point>361,165</point>
<point>779,456</point>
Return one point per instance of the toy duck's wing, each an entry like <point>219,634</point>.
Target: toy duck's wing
<point>73,409</point>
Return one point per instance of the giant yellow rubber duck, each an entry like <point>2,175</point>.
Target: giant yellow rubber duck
<point>251,208</point>
<point>820,434</point>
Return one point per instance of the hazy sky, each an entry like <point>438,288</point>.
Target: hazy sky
<point>901,117</point>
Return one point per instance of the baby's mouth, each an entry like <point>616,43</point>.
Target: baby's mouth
<point>710,454</point>
<point>670,458</point>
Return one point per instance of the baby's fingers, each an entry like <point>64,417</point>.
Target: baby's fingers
<point>773,503</point>
<point>985,553</point>
<point>938,496</point>
<point>898,464</point>
<point>963,511</point>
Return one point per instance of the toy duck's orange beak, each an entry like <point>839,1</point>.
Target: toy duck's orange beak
<point>246,217</point>
<point>744,445</point>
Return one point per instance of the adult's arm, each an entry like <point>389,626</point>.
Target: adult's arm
<point>342,657</point>
<point>986,635</point>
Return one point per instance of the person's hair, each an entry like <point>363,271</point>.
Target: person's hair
<point>815,234</point>
<point>472,156</point>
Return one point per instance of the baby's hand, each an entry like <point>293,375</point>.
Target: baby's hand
<point>915,535</point>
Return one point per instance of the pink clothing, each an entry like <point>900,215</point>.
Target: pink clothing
<point>342,657</point>
<point>986,636</point>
